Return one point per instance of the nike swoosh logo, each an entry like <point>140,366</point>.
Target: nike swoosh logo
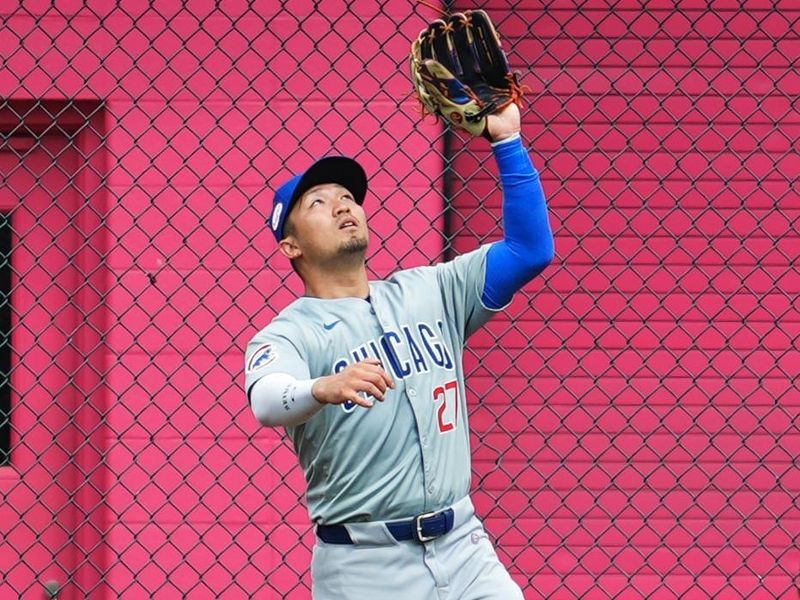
<point>330,326</point>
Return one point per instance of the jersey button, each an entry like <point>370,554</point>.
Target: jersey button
<point>412,392</point>
<point>431,488</point>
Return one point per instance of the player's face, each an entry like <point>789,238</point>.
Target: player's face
<point>327,222</point>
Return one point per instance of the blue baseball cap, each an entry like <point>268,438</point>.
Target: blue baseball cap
<point>331,169</point>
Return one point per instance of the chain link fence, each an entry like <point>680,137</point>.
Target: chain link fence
<point>635,410</point>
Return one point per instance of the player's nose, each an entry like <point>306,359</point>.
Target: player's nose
<point>340,207</point>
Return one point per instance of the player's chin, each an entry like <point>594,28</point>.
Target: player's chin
<point>356,243</point>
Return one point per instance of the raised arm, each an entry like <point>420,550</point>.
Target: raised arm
<point>527,247</point>
<point>461,73</point>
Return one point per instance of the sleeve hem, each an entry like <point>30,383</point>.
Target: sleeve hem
<point>483,288</point>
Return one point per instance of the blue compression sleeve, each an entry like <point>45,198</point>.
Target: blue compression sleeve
<point>528,245</point>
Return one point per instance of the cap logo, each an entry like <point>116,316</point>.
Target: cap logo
<point>276,216</point>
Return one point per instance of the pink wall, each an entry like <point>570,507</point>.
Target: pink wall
<point>199,121</point>
<point>638,418</point>
<point>612,378</point>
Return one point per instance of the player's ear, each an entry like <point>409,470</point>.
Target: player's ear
<point>289,248</point>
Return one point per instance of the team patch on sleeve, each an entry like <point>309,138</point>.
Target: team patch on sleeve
<point>263,356</point>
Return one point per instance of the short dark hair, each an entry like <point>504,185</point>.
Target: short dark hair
<point>288,228</point>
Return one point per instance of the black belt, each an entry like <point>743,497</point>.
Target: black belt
<point>422,528</point>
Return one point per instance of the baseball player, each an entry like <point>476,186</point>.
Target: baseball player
<point>366,377</point>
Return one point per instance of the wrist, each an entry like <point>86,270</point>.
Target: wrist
<point>505,139</point>
<point>316,389</point>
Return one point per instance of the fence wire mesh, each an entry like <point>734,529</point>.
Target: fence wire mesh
<point>634,412</point>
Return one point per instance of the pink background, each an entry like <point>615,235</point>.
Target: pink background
<point>637,426</point>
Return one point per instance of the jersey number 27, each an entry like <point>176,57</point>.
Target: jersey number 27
<point>447,394</point>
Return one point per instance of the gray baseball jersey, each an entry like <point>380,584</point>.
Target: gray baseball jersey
<point>409,454</point>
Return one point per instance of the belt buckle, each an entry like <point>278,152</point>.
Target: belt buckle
<point>418,527</point>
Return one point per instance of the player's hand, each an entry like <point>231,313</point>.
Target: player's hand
<point>503,124</point>
<point>365,376</point>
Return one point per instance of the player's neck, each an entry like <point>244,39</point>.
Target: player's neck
<point>339,283</point>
